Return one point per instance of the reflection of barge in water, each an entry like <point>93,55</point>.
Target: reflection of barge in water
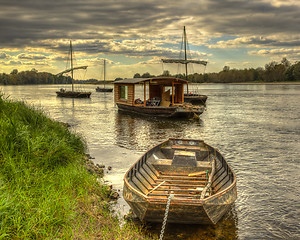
<point>165,97</point>
<point>201,182</point>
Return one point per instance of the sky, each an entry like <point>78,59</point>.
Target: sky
<point>133,36</point>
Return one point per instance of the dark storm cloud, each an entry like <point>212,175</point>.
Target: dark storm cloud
<point>37,20</point>
<point>30,22</point>
<point>250,17</point>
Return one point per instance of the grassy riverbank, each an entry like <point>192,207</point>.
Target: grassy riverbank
<point>45,190</point>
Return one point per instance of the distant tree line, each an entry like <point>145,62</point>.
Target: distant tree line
<point>273,72</point>
<point>32,77</point>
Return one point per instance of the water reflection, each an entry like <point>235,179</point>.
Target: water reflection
<point>141,133</point>
<point>72,109</point>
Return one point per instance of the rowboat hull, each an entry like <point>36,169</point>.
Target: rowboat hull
<point>187,206</point>
<point>104,89</point>
<point>183,212</point>
<point>158,111</point>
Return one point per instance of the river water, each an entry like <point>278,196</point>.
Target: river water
<point>256,128</point>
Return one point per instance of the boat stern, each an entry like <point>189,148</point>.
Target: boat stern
<point>188,110</point>
<point>137,203</point>
<point>179,212</point>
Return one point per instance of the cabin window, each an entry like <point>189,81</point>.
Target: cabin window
<point>123,92</point>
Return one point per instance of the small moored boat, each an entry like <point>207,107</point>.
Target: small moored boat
<point>202,184</point>
<point>104,89</point>
<point>99,89</point>
<point>72,94</point>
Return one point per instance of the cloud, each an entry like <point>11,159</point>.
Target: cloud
<point>25,56</point>
<point>4,55</point>
<point>254,42</point>
<point>15,63</point>
<point>145,30</point>
<point>25,22</point>
<point>293,54</point>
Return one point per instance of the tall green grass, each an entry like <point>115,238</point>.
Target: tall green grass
<point>45,189</point>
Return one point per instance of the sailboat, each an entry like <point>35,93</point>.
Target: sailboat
<point>193,98</point>
<point>72,94</point>
<point>104,89</point>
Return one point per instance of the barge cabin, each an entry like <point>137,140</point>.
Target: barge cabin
<point>160,96</point>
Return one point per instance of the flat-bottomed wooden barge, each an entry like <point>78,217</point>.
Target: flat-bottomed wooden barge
<point>162,97</point>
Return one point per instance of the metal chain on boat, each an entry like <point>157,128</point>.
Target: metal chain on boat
<point>165,217</point>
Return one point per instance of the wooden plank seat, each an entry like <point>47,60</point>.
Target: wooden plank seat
<point>181,177</point>
<point>165,167</point>
<point>178,185</point>
<point>168,162</point>
<point>180,181</point>
<point>179,195</point>
<point>187,147</point>
<point>192,191</point>
<point>163,196</point>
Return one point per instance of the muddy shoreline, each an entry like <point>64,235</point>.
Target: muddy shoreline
<point>98,170</point>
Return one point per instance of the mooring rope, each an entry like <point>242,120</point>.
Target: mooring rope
<point>165,217</point>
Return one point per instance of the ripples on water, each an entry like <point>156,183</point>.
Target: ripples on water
<point>256,128</point>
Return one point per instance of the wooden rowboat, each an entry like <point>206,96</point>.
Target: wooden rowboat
<point>202,184</point>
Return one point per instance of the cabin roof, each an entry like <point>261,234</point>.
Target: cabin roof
<point>140,80</point>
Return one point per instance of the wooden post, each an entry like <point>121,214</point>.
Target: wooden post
<point>133,95</point>
<point>172,93</point>
<point>182,97</point>
<point>145,94</point>
<point>71,52</point>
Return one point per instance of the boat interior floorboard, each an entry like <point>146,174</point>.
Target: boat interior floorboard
<point>181,185</point>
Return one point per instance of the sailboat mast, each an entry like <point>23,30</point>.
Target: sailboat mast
<point>104,71</point>
<point>185,58</point>
<point>184,61</point>
<point>71,52</point>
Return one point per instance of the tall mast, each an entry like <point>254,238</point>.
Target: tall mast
<point>184,61</point>
<point>185,57</point>
<point>71,52</point>
<point>104,71</point>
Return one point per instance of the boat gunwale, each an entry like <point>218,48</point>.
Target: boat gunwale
<point>135,81</point>
<point>191,201</point>
<point>150,107</point>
